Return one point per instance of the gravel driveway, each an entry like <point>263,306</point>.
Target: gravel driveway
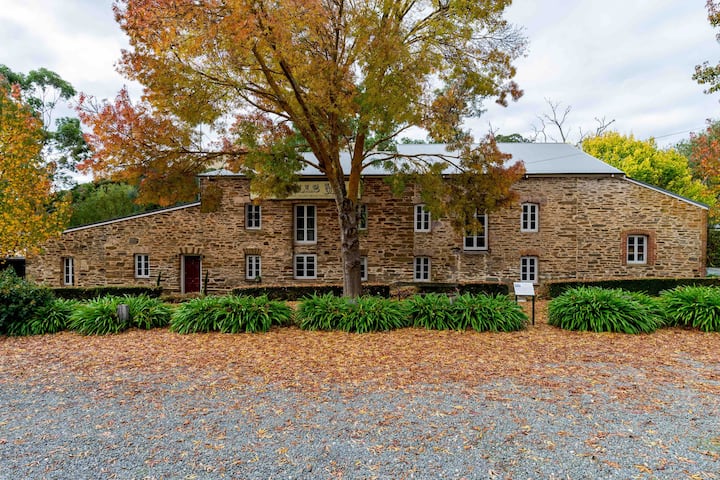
<point>159,405</point>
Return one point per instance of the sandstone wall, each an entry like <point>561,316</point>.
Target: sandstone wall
<point>583,222</point>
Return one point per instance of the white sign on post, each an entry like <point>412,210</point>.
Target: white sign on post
<point>524,289</point>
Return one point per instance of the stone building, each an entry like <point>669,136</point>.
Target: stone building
<point>576,218</point>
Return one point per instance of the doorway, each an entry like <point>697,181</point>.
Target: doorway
<point>191,273</point>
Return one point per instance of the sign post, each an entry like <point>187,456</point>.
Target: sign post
<point>525,289</point>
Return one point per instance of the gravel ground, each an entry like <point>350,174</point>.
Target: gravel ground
<point>137,427</point>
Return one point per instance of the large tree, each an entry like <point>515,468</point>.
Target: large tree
<point>707,74</point>
<point>63,144</point>
<point>644,161</point>
<point>324,76</point>
<point>29,211</point>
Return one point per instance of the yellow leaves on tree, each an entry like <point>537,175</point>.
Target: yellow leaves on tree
<point>327,77</point>
<point>29,212</point>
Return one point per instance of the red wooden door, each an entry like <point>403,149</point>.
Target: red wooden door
<point>191,273</point>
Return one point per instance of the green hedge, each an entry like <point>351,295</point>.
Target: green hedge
<point>91,293</point>
<point>293,293</point>
<point>651,286</point>
<point>471,288</point>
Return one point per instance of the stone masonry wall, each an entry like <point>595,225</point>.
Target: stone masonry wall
<point>583,223</point>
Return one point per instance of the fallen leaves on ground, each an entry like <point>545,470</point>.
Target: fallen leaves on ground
<point>314,361</point>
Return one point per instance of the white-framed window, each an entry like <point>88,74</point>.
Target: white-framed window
<point>305,266</point>
<point>477,240</point>
<point>305,224</point>
<point>253,267</point>
<point>422,269</point>
<point>529,269</point>
<point>362,217</point>
<point>142,265</point>
<point>529,220</point>
<point>637,249</point>
<point>422,219</point>
<point>68,271</point>
<point>363,269</point>
<point>253,216</point>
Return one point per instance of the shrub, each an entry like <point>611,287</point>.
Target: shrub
<point>605,310</point>
<point>493,313</point>
<point>432,311</point>
<point>360,315</point>
<point>696,307</point>
<point>20,300</point>
<point>373,314</point>
<point>322,312</point>
<point>147,312</point>
<point>98,317</point>
<point>229,314</point>
<point>52,318</point>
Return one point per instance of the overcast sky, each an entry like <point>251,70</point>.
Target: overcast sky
<point>627,60</point>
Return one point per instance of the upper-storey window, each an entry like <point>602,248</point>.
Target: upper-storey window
<point>477,240</point>
<point>422,219</point>
<point>362,217</point>
<point>253,216</point>
<point>305,224</point>
<point>529,221</point>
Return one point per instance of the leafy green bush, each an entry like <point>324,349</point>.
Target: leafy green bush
<point>432,311</point>
<point>91,293</point>
<point>495,313</point>
<point>52,318</point>
<point>322,312</point>
<point>360,315</point>
<point>489,313</point>
<point>20,300</point>
<point>696,307</point>
<point>229,314</point>
<point>197,315</point>
<point>147,312</point>
<point>98,317</point>
<point>605,310</point>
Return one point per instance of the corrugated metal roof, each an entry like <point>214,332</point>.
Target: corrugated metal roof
<point>539,159</point>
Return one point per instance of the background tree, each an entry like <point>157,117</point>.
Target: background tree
<point>96,202</point>
<point>553,126</point>
<point>707,74</point>
<point>63,143</point>
<point>644,161</point>
<point>29,212</point>
<point>325,76</point>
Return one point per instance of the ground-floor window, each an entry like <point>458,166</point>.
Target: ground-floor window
<point>68,271</point>
<point>529,269</point>
<point>305,266</point>
<point>363,269</point>
<point>142,265</point>
<point>252,267</point>
<point>422,269</point>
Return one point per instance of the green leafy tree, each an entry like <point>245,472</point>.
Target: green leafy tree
<point>96,202</point>
<point>63,142</point>
<point>331,77</point>
<point>644,161</point>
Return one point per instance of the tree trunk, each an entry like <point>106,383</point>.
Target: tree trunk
<point>350,247</point>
